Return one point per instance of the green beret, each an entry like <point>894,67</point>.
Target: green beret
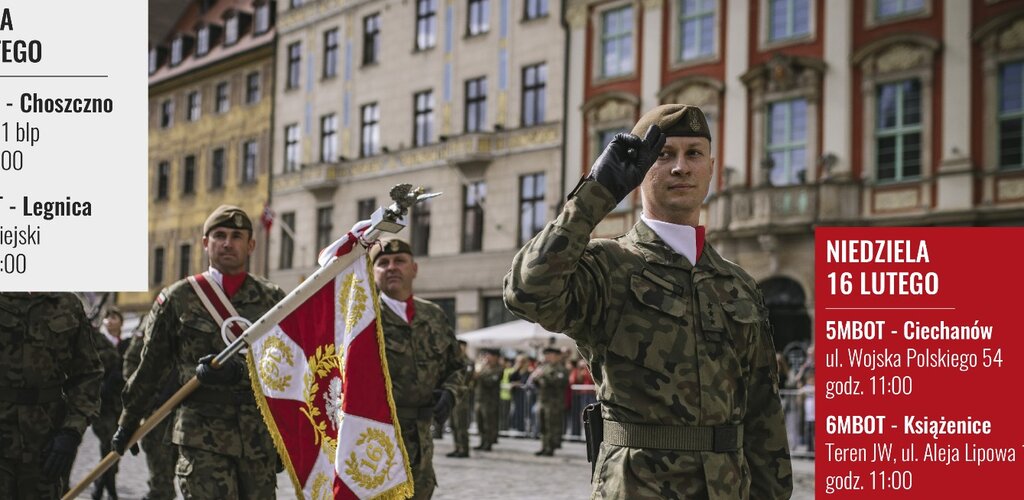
<point>389,247</point>
<point>675,120</point>
<point>228,216</point>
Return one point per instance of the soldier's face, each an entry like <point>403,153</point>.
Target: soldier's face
<point>676,185</point>
<point>394,274</point>
<point>229,249</point>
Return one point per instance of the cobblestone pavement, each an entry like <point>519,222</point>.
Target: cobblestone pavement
<point>511,471</point>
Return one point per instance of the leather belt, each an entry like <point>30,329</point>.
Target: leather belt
<point>718,438</point>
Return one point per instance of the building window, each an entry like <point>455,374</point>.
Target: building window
<point>203,41</point>
<point>696,29</point>
<point>473,216</point>
<point>476,104</point>
<point>365,208</point>
<point>158,265</point>
<point>535,9</point>
<point>329,138</point>
<point>478,21</point>
<point>885,9</point>
<point>163,180</point>
<point>262,18</point>
<point>369,130</point>
<point>324,228</point>
<point>426,24</point>
<point>898,130</point>
<point>788,19</point>
<point>371,38</point>
<point>331,53</point>
<point>291,147</point>
<point>1011,115</point>
<point>534,82</point>
<point>167,114</point>
<point>223,101</point>
<point>617,42</point>
<point>252,88</point>
<point>177,51</point>
<point>195,102</point>
<point>249,162</point>
<point>294,59</point>
<point>231,30</point>
<point>155,59</point>
<point>184,260</point>
<point>420,237</point>
<point>294,4</point>
<point>188,176</point>
<point>287,254</point>
<point>532,211</point>
<point>423,118</point>
<point>495,312</point>
<point>786,145</point>
<point>448,306</point>
<point>217,169</point>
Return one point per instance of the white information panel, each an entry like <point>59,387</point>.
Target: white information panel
<point>73,146</point>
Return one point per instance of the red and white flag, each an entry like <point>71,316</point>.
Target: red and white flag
<point>321,380</point>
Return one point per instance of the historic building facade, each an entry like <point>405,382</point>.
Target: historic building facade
<point>873,113</point>
<point>462,97</point>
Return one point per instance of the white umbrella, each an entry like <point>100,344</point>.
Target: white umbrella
<point>518,334</point>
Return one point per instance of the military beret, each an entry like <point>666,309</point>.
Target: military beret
<point>389,247</point>
<point>675,120</point>
<point>227,216</point>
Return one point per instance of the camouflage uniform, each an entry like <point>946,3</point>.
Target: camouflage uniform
<point>224,448</point>
<point>161,454</point>
<point>460,413</point>
<point>50,376</point>
<point>488,401</point>
<point>552,379</point>
<point>422,357</point>
<point>670,344</point>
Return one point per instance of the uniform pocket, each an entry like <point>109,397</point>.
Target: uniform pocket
<point>658,294</point>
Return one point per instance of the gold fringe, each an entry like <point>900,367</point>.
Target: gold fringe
<point>268,418</point>
<point>406,489</point>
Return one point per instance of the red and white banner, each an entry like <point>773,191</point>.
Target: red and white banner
<point>321,380</point>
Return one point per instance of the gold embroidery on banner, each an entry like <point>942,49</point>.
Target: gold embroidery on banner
<point>352,300</point>
<point>322,489</point>
<point>275,352</point>
<point>371,471</point>
<point>320,365</point>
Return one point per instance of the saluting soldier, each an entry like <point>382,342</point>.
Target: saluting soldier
<point>424,361</point>
<point>678,336</point>
<point>50,376</point>
<point>488,398</point>
<point>224,448</point>
<point>552,379</point>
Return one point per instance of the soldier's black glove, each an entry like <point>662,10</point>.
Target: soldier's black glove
<point>443,402</point>
<point>229,374</point>
<point>120,440</point>
<point>626,160</point>
<point>59,454</point>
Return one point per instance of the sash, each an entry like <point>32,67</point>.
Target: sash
<point>219,306</point>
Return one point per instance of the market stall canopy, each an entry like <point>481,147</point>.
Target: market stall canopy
<point>519,335</point>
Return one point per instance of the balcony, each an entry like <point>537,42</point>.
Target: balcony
<point>783,209</point>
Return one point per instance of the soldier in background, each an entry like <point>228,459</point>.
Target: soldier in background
<point>678,336</point>
<point>224,449</point>
<point>424,361</point>
<point>50,376</point>
<point>552,379</point>
<point>161,454</point>
<point>488,398</point>
<point>111,349</point>
<point>460,413</point>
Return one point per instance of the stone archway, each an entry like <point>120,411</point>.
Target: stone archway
<point>787,311</point>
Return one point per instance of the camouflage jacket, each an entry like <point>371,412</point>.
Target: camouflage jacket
<point>46,342</point>
<point>552,379</point>
<point>669,343</point>
<point>423,356</point>
<point>178,333</point>
<point>488,384</point>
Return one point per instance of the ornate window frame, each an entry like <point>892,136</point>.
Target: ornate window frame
<point>597,21</point>
<point>675,32</point>
<point>1001,40</point>
<point>764,40</point>
<point>871,19</point>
